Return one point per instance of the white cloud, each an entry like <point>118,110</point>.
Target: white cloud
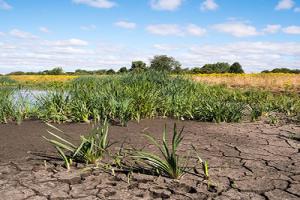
<point>21,34</point>
<point>209,5</point>
<point>97,3</point>
<point>291,30</point>
<point>285,5</point>
<point>272,28</point>
<point>165,4</point>
<point>254,56</point>
<point>237,29</point>
<point>2,34</point>
<point>195,30</point>
<point>165,47</point>
<point>4,5</point>
<point>126,24</point>
<point>67,43</point>
<point>44,29</point>
<point>297,9</point>
<point>165,29</point>
<point>176,30</point>
<point>90,27</point>
<point>30,55</point>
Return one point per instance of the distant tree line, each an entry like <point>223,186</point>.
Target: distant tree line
<point>54,71</point>
<point>218,68</point>
<point>159,63</point>
<point>282,70</point>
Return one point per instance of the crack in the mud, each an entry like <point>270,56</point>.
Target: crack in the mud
<point>243,161</point>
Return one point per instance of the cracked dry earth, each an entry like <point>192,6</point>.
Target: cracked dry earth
<point>246,160</point>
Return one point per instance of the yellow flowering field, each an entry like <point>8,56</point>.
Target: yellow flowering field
<point>42,78</point>
<point>270,81</point>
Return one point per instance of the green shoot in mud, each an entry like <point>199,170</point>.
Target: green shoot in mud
<point>201,162</point>
<point>93,147</point>
<point>169,165</point>
<point>90,151</point>
<point>205,167</point>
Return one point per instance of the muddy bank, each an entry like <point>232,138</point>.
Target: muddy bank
<point>247,161</point>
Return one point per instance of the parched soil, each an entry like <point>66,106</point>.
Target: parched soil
<point>246,160</point>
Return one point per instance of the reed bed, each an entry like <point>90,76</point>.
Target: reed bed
<point>153,94</point>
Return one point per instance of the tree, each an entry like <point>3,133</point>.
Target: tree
<point>138,66</point>
<point>17,73</point>
<point>110,71</point>
<point>177,70</point>
<point>196,70</point>
<point>282,70</point>
<point>164,63</point>
<point>236,68</point>
<point>123,70</point>
<point>215,68</point>
<point>82,72</point>
<point>55,71</point>
<point>103,71</point>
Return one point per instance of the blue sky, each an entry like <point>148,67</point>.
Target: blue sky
<point>102,34</point>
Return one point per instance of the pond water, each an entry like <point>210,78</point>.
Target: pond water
<point>29,96</point>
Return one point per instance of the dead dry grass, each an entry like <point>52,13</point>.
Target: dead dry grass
<point>276,82</point>
<point>42,78</point>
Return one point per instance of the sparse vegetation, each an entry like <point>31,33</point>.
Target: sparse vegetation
<point>94,147</point>
<point>169,165</point>
<point>90,151</point>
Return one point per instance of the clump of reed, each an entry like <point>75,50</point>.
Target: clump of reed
<point>152,94</point>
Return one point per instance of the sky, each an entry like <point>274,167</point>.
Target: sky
<point>102,34</point>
